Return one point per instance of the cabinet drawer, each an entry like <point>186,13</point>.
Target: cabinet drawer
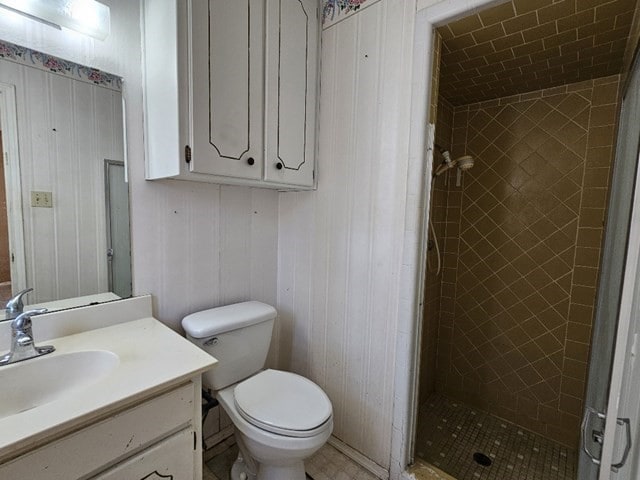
<point>172,458</point>
<point>94,448</point>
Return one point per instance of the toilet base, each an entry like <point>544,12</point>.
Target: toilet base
<point>275,472</point>
<point>240,470</point>
<point>245,466</point>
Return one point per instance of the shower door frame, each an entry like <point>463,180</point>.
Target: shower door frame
<point>621,382</point>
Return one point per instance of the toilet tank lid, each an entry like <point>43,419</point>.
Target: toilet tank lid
<point>224,319</point>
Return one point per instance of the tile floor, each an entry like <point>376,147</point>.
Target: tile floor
<point>450,433</point>
<point>327,464</point>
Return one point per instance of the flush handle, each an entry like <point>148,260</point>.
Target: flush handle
<point>211,342</point>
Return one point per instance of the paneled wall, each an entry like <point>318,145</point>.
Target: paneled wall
<point>194,245</point>
<point>332,257</point>
<point>66,129</point>
<point>517,303</point>
<point>340,247</point>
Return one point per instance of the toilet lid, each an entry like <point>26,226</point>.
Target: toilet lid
<point>283,403</point>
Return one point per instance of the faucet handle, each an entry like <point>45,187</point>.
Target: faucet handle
<point>23,321</point>
<point>15,305</point>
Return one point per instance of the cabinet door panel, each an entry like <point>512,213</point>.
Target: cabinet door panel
<point>291,52</point>
<point>171,459</point>
<point>226,89</point>
<point>88,450</point>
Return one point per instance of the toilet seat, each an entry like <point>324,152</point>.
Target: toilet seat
<point>283,403</point>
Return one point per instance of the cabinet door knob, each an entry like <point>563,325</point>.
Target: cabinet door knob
<point>279,165</point>
<point>250,161</point>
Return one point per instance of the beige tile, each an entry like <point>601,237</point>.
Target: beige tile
<point>575,369</point>
<point>581,313</point>
<point>577,351</point>
<point>488,34</point>
<point>579,332</point>
<point>465,25</point>
<point>554,32</point>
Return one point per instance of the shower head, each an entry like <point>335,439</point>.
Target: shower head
<point>463,163</point>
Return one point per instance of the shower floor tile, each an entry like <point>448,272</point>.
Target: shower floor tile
<point>449,433</point>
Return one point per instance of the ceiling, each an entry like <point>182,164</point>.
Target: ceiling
<point>527,45</point>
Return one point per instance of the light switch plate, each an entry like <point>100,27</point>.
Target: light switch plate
<point>42,199</point>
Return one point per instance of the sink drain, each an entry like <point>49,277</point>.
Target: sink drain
<point>481,459</point>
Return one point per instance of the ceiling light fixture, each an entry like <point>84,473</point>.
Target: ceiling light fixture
<point>85,16</point>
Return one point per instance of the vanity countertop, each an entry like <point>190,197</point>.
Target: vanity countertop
<point>152,357</point>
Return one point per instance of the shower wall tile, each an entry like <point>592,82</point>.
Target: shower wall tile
<point>522,243</point>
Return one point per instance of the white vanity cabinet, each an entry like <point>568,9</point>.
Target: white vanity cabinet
<point>159,437</point>
<point>167,459</point>
<point>231,91</point>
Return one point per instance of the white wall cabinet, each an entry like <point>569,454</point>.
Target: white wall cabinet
<point>157,438</point>
<point>231,91</point>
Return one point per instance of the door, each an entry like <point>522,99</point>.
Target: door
<point>118,229</point>
<point>612,356</point>
<point>227,94</point>
<point>12,186</point>
<point>291,82</point>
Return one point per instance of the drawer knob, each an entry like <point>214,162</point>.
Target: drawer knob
<point>279,165</point>
<point>250,161</point>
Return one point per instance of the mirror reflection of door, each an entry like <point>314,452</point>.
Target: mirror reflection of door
<point>118,237</point>
<point>60,121</point>
<point>5,257</point>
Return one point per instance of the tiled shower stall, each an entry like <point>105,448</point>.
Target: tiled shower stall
<point>507,322</point>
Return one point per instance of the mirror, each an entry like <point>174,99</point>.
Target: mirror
<point>64,202</point>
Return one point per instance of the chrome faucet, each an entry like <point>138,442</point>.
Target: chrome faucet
<point>22,343</point>
<point>15,306</point>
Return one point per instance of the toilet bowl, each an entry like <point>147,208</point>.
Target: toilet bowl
<point>280,418</point>
<point>279,441</point>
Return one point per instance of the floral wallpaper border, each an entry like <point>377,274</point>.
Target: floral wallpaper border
<point>43,61</point>
<point>335,10</point>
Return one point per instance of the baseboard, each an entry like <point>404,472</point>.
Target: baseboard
<point>359,458</point>
<point>219,437</point>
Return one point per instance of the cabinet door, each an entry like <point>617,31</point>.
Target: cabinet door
<point>171,459</point>
<point>291,84</point>
<point>227,94</point>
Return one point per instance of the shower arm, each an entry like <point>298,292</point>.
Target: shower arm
<point>445,154</point>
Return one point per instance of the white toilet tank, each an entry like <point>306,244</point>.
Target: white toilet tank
<point>237,335</point>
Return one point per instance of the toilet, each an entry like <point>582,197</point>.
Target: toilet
<point>280,418</point>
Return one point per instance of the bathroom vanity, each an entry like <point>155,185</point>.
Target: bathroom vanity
<point>122,401</point>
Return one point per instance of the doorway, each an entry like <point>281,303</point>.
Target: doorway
<point>118,229</point>
<point>5,253</point>
<point>518,352</point>
<point>11,195</point>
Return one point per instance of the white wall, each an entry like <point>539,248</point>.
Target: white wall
<point>340,248</point>
<point>194,245</point>
<point>66,128</point>
<point>338,252</point>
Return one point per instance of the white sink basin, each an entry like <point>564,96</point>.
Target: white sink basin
<point>38,381</point>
